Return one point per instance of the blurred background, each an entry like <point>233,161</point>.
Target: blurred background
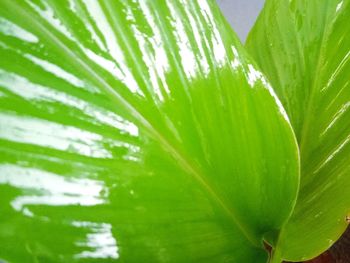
<point>241,14</point>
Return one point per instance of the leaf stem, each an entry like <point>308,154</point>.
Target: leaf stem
<point>276,256</point>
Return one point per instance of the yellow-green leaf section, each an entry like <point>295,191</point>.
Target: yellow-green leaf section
<point>136,131</point>
<point>303,47</point>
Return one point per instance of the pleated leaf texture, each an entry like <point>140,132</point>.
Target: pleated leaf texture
<point>303,47</point>
<point>137,131</point>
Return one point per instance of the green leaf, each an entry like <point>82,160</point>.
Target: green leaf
<point>138,131</point>
<point>303,47</point>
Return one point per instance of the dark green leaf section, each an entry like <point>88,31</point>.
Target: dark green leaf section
<point>136,131</point>
<point>303,48</point>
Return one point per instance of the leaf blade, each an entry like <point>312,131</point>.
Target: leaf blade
<point>115,123</point>
<point>305,57</point>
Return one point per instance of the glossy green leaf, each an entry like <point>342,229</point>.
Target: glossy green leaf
<point>137,131</point>
<point>303,47</point>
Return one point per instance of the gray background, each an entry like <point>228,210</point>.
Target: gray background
<point>241,14</point>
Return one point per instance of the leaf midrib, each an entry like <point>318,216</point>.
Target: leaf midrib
<point>185,164</point>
